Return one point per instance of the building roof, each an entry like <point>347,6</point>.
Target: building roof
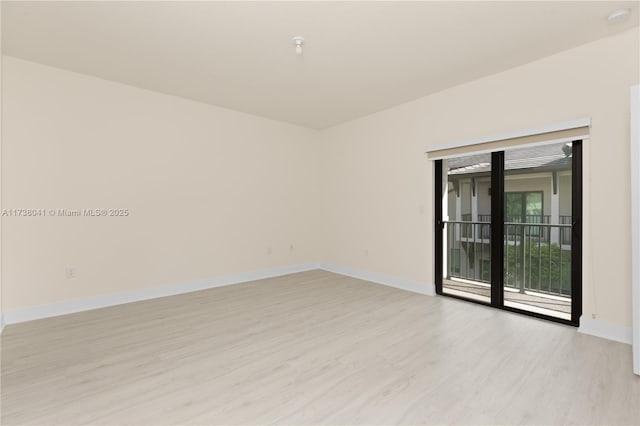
<point>556,156</point>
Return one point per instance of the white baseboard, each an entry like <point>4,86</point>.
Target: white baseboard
<point>401,283</point>
<point>617,333</point>
<point>69,307</point>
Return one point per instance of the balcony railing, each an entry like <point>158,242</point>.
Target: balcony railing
<point>513,218</point>
<point>566,232</point>
<point>469,250</point>
<point>537,256</point>
<point>529,219</point>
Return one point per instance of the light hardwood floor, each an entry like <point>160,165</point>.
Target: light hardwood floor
<point>311,348</point>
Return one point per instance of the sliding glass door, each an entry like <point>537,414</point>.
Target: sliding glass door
<point>509,229</point>
<point>466,228</point>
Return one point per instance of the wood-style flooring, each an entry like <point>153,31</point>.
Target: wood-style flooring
<point>311,348</point>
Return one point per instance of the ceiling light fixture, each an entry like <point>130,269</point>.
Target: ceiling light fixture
<point>298,42</point>
<point>618,15</point>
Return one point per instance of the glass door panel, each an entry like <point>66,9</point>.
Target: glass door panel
<point>466,217</point>
<point>537,230</point>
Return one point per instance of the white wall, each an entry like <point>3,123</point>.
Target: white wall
<point>1,314</point>
<point>209,190</point>
<point>376,179</point>
<point>635,221</point>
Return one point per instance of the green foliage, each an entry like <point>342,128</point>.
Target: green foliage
<point>546,268</point>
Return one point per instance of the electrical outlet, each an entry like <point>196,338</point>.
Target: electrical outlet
<point>365,252</point>
<point>593,316</point>
<point>268,251</point>
<point>291,249</point>
<point>70,272</point>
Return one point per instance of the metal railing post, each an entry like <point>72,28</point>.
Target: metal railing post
<point>522,259</point>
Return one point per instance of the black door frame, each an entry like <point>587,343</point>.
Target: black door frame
<point>497,237</point>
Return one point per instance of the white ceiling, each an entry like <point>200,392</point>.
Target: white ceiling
<point>359,57</point>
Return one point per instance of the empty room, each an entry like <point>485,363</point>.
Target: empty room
<point>314,212</point>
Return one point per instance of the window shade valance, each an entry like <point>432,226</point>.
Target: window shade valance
<point>568,131</point>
